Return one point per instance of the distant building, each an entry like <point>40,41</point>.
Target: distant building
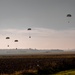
<point>57,50</point>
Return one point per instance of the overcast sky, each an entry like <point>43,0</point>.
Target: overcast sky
<point>47,18</point>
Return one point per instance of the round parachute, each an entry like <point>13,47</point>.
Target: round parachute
<point>15,40</point>
<point>7,37</point>
<point>29,30</point>
<point>69,15</point>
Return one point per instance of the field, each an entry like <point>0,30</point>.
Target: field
<point>36,64</point>
<point>67,72</point>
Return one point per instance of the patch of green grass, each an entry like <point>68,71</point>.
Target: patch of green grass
<point>68,72</point>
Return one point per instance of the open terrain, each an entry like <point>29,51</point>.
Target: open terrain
<point>36,64</point>
<point>67,72</point>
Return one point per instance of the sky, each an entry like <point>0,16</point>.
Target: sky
<point>47,19</point>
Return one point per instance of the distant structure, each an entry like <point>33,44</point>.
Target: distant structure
<point>54,51</point>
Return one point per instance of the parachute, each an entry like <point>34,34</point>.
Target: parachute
<point>7,38</point>
<point>29,30</point>
<point>16,41</point>
<point>69,15</point>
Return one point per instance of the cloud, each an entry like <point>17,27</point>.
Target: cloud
<point>41,38</point>
<point>41,32</point>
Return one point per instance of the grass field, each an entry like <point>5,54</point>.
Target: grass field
<point>36,64</point>
<point>68,72</point>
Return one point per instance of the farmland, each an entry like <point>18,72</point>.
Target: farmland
<point>37,64</point>
<point>67,72</point>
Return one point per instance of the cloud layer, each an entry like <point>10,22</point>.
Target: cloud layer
<point>40,38</point>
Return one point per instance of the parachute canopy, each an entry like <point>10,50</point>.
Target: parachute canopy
<point>15,40</point>
<point>29,28</point>
<point>7,37</point>
<point>69,15</point>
